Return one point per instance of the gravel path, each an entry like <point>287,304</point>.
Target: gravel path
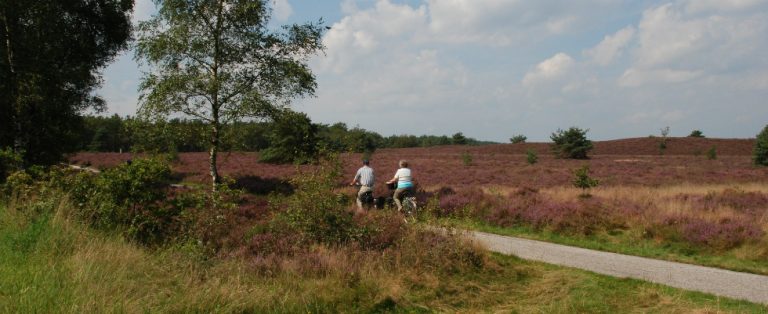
<point>716,281</point>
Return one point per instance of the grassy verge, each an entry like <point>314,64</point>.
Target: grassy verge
<point>626,242</point>
<point>49,263</point>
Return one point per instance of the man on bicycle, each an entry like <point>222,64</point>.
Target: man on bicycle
<point>365,178</point>
<point>404,183</point>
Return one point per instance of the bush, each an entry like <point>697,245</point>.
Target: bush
<point>712,153</point>
<point>760,155</point>
<point>583,181</point>
<point>293,139</point>
<point>663,139</point>
<point>130,198</point>
<point>18,184</point>
<point>459,139</point>
<point>696,133</point>
<point>518,139</point>
<point>317,213</point>
<point>531,157</point>
<point>10,162</point>
<point>720,235</point>
<point>466,158</point>
<point>572,143</point>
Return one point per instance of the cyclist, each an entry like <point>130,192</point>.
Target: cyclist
<point>365,178</point>
<point>404,183</point>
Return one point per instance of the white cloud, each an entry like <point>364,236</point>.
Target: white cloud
<point>509,22</point>
<point>697,6</point>
<point>560,25</point>
<point>611,47</point>
<point>282,9</point>
<point>668,36</point>
<point>354,39</point>
<point>636,77</point>
<point>456,65</point>
<point>550,69</point>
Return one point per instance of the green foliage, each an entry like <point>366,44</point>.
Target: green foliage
<point>531,157</point>
<point>362,141</point>
<point>220,62</point>
<point>50,55</point>
<point>663,140</point>
<point>466,158</point>
<point>105,134</point>
<point>293,139</point>
<point>10,162</point>
<point>248,136</point>
<point>459,139</point>
<point>129,198</point>
<point>583,181</point>
<point>159,135</point>
<point>205,216</point>
<point>518,139</point>
<point>18,184</point>
<point>760,153</point>
<point>571,143</point>
<point>696,133</point>
<point>164,136</point>
<point>315,211</point>
<point>712,153</point>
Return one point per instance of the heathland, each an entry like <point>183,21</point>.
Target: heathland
<point>286,238</point>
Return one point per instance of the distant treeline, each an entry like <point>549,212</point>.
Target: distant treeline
<point>115,134</point>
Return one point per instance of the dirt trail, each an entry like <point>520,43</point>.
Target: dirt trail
<point>716,281</point>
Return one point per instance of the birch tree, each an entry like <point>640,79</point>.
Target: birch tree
<point>218,61</point>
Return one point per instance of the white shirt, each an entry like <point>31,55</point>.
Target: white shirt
<point>403,175</point>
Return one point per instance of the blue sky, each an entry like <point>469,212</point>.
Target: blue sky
<point>496,68</point>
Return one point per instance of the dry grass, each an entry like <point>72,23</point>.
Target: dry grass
<point>666,200</point>
<point>80,271</point>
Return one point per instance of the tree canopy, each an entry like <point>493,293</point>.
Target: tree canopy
<point>571,143</point>
<point>216,61</point>
<point>760,154</point>
<point>50,55</point>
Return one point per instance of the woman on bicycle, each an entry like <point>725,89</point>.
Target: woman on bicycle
<point>404,183</point>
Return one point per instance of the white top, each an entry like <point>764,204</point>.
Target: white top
<point>365,176</point>
<point>403,175</point>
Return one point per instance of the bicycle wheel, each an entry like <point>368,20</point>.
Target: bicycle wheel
<point>409,206</point>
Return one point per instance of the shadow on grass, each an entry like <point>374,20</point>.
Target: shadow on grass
<point>263,186</point>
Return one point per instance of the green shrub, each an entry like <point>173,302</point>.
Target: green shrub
<point>293,139</point>
<point>531,157</point>
<point>10,162</point>
<point>315,211</point>
<point>663,140</point>
<point>459,139</point>
<point>466,158</point>
<point>760,154</point>
<point>712,153</point>
<point>19,184</point>
<point>583,181</point>
<point>696,133</point>
<point>572,143</point>
<point>130,198</point>
<point>518,139</point>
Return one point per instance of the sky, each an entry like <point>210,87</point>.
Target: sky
<point>492,69</point>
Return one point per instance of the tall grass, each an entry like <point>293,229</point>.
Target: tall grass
<point>52,262</point>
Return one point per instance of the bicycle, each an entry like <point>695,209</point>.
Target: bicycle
<point>410,206</point>
<point>366,199</point>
